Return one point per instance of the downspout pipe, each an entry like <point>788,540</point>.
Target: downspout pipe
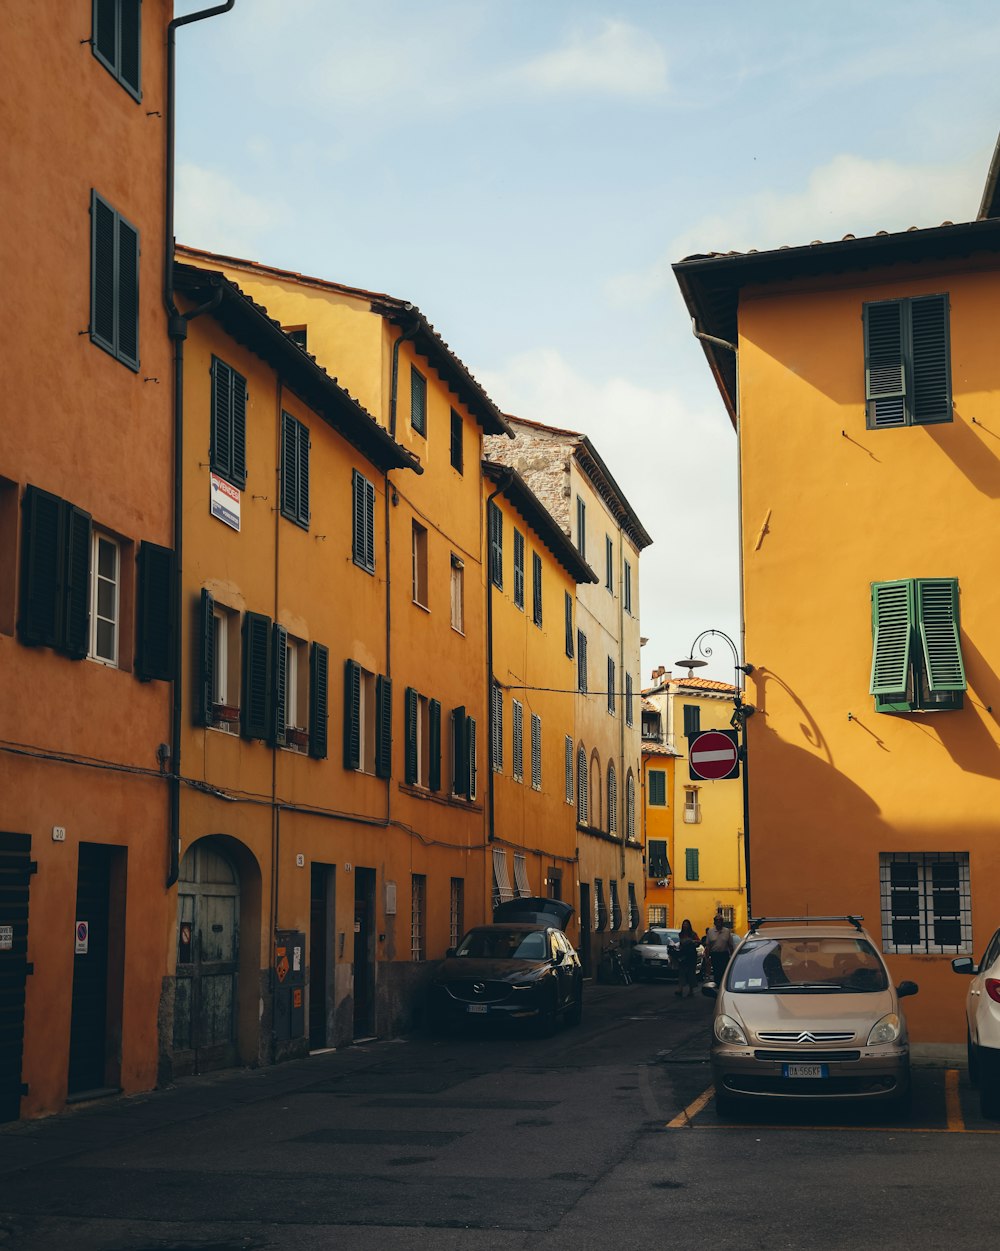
<point>411,333</point>
<point>177,325</point>
<point>501,486</point>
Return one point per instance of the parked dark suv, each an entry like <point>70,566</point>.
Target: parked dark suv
<point>520,968</point>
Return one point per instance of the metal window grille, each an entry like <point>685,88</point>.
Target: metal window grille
<point>521,875</point>
<point>633,908</point>
<point>517,719</point>
<point>728,914</point>
<point>612,800</point>
<point>926,902</point>
<point>536,752</point>
<point>501,878</point>
<point>456,912</point>
<point>418,904</point>
<point>616,908</point>
<point>656,914</point>
<point>600,907</point>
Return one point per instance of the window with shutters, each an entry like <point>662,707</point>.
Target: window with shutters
<point>536,752</point>
<point>581,527</point>
<point>418,401</point>
<point>692,719</point>
<point>10,495</point>
<point>926,902</point>
<point>463,755</point>
<point>457,593</point>
<point>657,864</point>
<point>105,599</point>
<point>609,564</point>
<point>228,455</point>
<point>296,694</point>
<point>630,831</point>
<point>456,911</point>
<point>422,753</point>
<point>457,438</point>
<point>496,544</point>
<point>55,585</point>
<point>363,516</point>
<point>611,685</point>
<point>907,362</point>
<point>656,780</point>
<point>418,546</point>
<point>220,667</point>
<point>917,662</point>
<point>155,612</point>
<point>117,41</point>
<point>319,700</point>
<point>628,699</point>
<point>257,704</point>
<point>612,799</point>
<point>691,867</point>
<point>517,740</point>
<point>568,608</point>
<point>628,587</point>
<point>496,727</point>
<point>502,890</point>
<point>568,765</point>
<point>692,807</point>
<point>518,568</point>
<point>418,918</point>
<point>582,788</point>
<point>581,661</point>
<point>536,589</point>
<point>295,470</point>
<point>114,282</point>
<point>367,721</point>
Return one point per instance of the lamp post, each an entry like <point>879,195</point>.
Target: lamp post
<point>741,711</point>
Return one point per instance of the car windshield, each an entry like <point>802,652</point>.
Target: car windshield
<point>497,943</point>
<point>788,965</point>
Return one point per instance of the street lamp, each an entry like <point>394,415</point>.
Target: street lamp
<point>741,711</point>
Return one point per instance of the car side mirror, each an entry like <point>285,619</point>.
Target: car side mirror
<point>904,989</point>
<point>963,964</point>
<point>449,953</point>
<point>709,990</point>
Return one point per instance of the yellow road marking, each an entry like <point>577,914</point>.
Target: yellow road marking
<point>692,1109</point>
<point>953,1109</point>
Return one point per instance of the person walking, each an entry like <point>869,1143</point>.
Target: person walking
<point>719,946</point>
<point>687,960</point>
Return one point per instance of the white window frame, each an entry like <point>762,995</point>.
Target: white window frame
<point>226,673</point>
<point>97,579</point>
<point>692,805</point>
<point>457,594</point>
<point>419,554</point>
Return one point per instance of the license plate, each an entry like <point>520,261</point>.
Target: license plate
<point>477,1007</point>
<point>805,1070</point>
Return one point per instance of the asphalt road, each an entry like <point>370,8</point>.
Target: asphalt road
<point>601,1136</point>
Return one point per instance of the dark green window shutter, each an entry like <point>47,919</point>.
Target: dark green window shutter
<point>657,787</point>
<point>363,503</point>
<point>937,618</point>
<point>459,764</point>
<point>383,726</point>
<point>418,401</point>
<point>105,34</point>
<point>205,673</point>
<point>303,456</point>
<point>128,293</point>
<point>692,719</point>
<point>581,661</point>
<point>352,715</point>
<point>130,46</point>
<point>457,430</point>
<point>40,618</point>
<point>658,864</point>
<point>279,692</point>
<point>114,282</point>
<point>411,735</point>
<point>892,634</point>
<point>931,359</point>
<point>569,624</point>
<point>518,568</point>
<point>256,711</point>
<point>319,700</point>
<point>294,470</point>
<point>691,864</point>
<point>470,757</point>
<point>885,364</point>
<point>76,611</point>
<point>496,545</point>
<point>434,745</point>
<point>536,588</point>
<point>155,625</point>
<point>228,453</point>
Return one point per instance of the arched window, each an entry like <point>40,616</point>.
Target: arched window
<point>630,806</point>
<point>582,806</point>
<point>612,799</point>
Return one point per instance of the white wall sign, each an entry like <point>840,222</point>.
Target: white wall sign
<point>82,937</point>
<point>6,937</point>
<point>225,502</point>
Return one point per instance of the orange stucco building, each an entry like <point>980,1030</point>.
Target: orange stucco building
<point>864,401</point>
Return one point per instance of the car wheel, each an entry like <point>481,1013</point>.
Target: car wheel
<point>574,1013</point>
<point>972,1056</point>
<point>988,1064</point>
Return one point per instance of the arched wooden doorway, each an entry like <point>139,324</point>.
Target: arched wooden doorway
<point>208,946</point>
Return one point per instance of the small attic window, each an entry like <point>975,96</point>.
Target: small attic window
<point>297,334</point>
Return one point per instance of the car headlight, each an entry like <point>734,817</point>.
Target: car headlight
<point>887,1030</point>
<point>729,1031</point>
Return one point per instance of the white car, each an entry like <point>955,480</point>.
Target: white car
<point>982,1010</point>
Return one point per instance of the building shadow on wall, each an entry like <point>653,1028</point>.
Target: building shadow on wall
<point>972,448</point>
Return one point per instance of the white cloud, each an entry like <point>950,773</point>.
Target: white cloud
<point>214,213</point>
<point>847,194</point>
<point>618,60</point>
<point>677,468</point>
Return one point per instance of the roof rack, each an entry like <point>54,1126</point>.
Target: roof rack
<point>757,922</point>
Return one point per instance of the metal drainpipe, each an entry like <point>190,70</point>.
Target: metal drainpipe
<point>177,324</point>
<point>491,808</point>
<point>394,394</point>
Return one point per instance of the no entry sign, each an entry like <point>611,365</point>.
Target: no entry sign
<point>714,755</point>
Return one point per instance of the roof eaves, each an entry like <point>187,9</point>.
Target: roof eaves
<point>990,204</point>
<point>531,508</point>
<point>249,323</point>
<point>600,475</point>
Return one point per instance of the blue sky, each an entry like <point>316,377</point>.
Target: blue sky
<point>525,171</point>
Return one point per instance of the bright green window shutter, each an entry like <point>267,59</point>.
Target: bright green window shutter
<point>937,619</point>
<point>691,864</point>
<point>657,787</point>
<point>892,621</point>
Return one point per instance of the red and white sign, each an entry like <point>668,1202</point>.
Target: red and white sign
<point>713,755</point>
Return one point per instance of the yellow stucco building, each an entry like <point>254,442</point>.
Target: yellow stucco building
<point>867,408</point>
